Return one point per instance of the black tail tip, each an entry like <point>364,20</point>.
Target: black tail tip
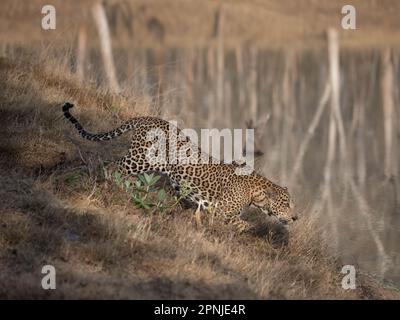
<point>67,106</point>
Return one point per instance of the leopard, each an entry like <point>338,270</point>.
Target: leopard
<point>214,186</point>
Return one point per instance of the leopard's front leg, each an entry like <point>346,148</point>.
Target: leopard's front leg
<point>239,224</point>
<point>233,218</point>
<point>230,211</point>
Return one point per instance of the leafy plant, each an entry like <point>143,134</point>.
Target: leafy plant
<point>147,195</point>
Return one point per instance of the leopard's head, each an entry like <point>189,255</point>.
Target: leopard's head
<point>274,201</point>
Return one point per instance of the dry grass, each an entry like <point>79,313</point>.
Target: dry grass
<point>56,209</point>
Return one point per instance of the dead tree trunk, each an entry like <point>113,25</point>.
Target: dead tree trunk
<point>199,81</point>
<point>240,78</point>
<point>335,128</point>
<point>220,63</point>
<point>252,84</point>
<point>212,103</point>
<point>81,52</point>
<point>329,167</point>
<point>105,44</point>
<point>334,74</point>
<point>288,102</point>
<point>360,146</point>
<point>189,85</point>
<point>388,112</point>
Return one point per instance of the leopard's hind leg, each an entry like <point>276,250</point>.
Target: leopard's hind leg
<point>130,165</point>
<point>126,166</point>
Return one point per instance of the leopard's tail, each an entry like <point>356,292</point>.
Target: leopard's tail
<point>99,136</point>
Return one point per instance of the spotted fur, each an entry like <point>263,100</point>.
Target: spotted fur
<point>213,186</point>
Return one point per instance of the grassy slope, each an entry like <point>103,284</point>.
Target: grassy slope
<point>56,210</point>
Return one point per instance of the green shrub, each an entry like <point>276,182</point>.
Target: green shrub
<point>147,195</point>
